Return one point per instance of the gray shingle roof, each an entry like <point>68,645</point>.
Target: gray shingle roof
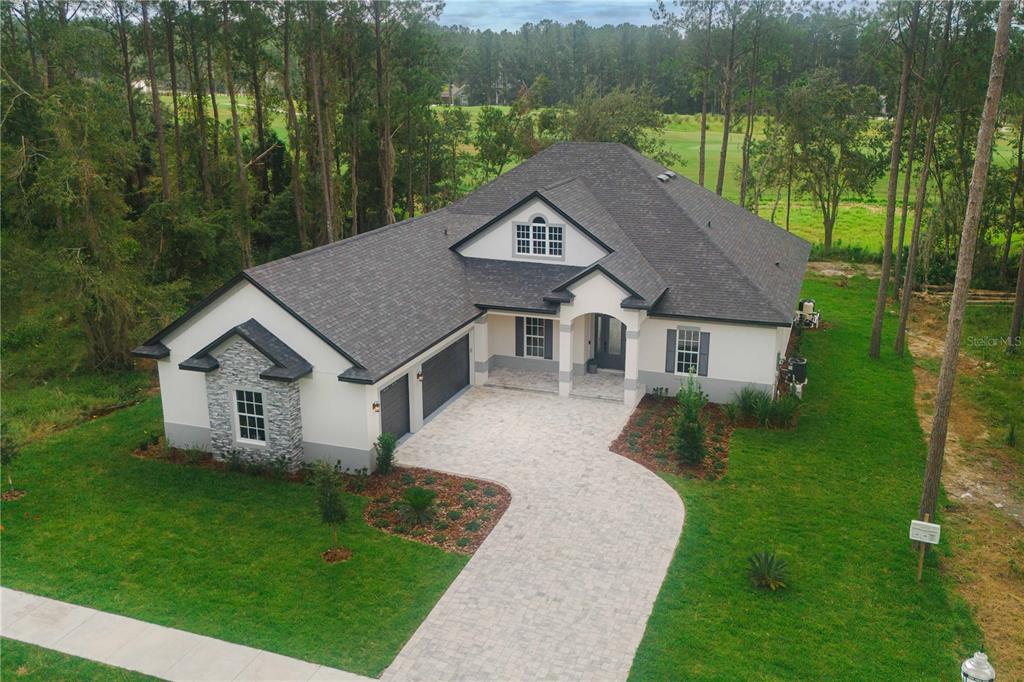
<point>385,296</point>
<point>286,364</point>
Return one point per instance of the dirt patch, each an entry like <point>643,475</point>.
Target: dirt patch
<point>466,509</point>
<point>647,439</point>
<point>832,268</point>
<point>985,512</point>
<point>13,495</point>
<point>336,555</point>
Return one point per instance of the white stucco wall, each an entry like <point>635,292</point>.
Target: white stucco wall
<point>332,411</point>
<point>498,241</point>
<point>595,293</point>
<point>739,353</point>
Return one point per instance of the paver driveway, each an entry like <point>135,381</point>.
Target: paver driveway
<point>563,586</point>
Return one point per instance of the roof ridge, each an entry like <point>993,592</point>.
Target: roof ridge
<point>703,232</point>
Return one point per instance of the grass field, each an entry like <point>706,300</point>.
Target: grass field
<point>834,497</point>
<point>222,554</point>
<point>20,661</point>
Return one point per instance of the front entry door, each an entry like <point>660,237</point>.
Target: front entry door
<point>610,335</point>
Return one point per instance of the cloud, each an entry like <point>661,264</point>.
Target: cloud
<point>506,14</point>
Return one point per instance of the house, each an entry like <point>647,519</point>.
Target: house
<point>586,254</point>
<point>455,95</point>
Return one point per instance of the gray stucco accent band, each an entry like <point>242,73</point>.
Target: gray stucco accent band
<point>630,334</point>
<point>565,327</point>
<point>579,369</point>
<point>481,366</point>
<point>718,390</point>
<point>351,459</point>
<point>534,364</point>
<point>565,377</point>
<point>629,384</point>
<point>186,436</point>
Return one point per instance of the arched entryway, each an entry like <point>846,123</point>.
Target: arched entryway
<point>599,356</point>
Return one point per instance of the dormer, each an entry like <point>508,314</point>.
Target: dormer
<point>533,230</point>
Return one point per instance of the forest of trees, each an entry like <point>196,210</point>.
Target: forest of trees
<point>141,163</point>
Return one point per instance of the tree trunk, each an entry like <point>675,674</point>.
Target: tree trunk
<point>158,122</point>
<point>1011,218</point>
<point>213,95</point>
<point>894,169</point>
<point>965,263</point>
<point>730,68</point>
<point>749,133</point>
<point>198,97</point>
<point>905,206</point>
<point>244,240</point>
<point>1013,342</point>
<point>704,94</point>
<point>410,196</point>
<point>293,133</point>
<point>318,113</point>
<point>173,68</point>
<point>122,34</point>
<point>386,150</point>
<point>261,134</point>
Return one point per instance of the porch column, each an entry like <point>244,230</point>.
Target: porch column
<point>632,390</point>
<point>481,352</point>
<point>564,358</point>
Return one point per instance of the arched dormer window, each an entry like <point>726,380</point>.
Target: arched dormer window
<point>539,238</point>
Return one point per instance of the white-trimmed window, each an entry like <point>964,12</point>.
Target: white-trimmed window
<point>538,238</point>
<point>534,337</point>
<point>252,425</point>
<point>687,350</point>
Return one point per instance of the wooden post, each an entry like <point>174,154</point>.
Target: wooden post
<point>920,552</point>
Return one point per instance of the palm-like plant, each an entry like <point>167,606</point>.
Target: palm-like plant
<point>768,571</point>
<point>417,506</point>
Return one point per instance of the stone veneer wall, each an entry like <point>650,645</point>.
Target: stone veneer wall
<point>240,367</point>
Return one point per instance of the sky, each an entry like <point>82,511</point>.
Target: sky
<point>511,14</point>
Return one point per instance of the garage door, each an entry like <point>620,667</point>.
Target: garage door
<point>394,407</point>
<point>445,374</point>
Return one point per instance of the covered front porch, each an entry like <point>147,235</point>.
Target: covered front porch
<point>588,355</point>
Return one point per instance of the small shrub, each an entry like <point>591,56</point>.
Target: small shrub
<point>430,479</point>
<point>747,400</point>
<point>417,506</point>
<point>383,499</point>
<point>764,410</point>
<point>196,456</point>
<point>489,491</point>
<point>786,409</point>
<point>469,485</point>
<point>1011,436</point>
<point>462,542</point>
<point>438,538</point>
<point>385,449</point>
<point>357,481</point>
<point>408,479</point>
<point>401,529</point>
<point>688,424</point>
<point>441,525</point>
<point>333,513</point>
<point>473,526</point>
<point>279,467</point>
<point>469,504</point>
<point>490,506</point>
<point>418,532</point>
<point>732,412</point>
<point>768,571</point>
<point>235,460</point>
<point>454,515</point>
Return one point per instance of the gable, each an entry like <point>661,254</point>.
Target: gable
<point>497,239</point>
<point>597,292</point>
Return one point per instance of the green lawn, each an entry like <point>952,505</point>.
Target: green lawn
<point>834,497</point>
<point>222,554</point>
<point>20,661</point>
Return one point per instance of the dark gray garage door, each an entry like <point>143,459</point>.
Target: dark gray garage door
<point>445,374</point>
<point>394,408</point>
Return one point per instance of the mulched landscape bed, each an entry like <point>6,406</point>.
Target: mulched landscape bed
<point>467,509</point>
<point>647,439</point>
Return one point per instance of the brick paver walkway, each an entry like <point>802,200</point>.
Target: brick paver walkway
<point>563,586</point>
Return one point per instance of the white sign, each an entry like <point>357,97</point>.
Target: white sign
<point>922,531</point>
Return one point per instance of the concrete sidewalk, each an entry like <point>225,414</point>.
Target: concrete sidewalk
<point>151,649</point>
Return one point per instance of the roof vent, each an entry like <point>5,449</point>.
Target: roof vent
<point>671,174</point>
<point>663,177</point>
